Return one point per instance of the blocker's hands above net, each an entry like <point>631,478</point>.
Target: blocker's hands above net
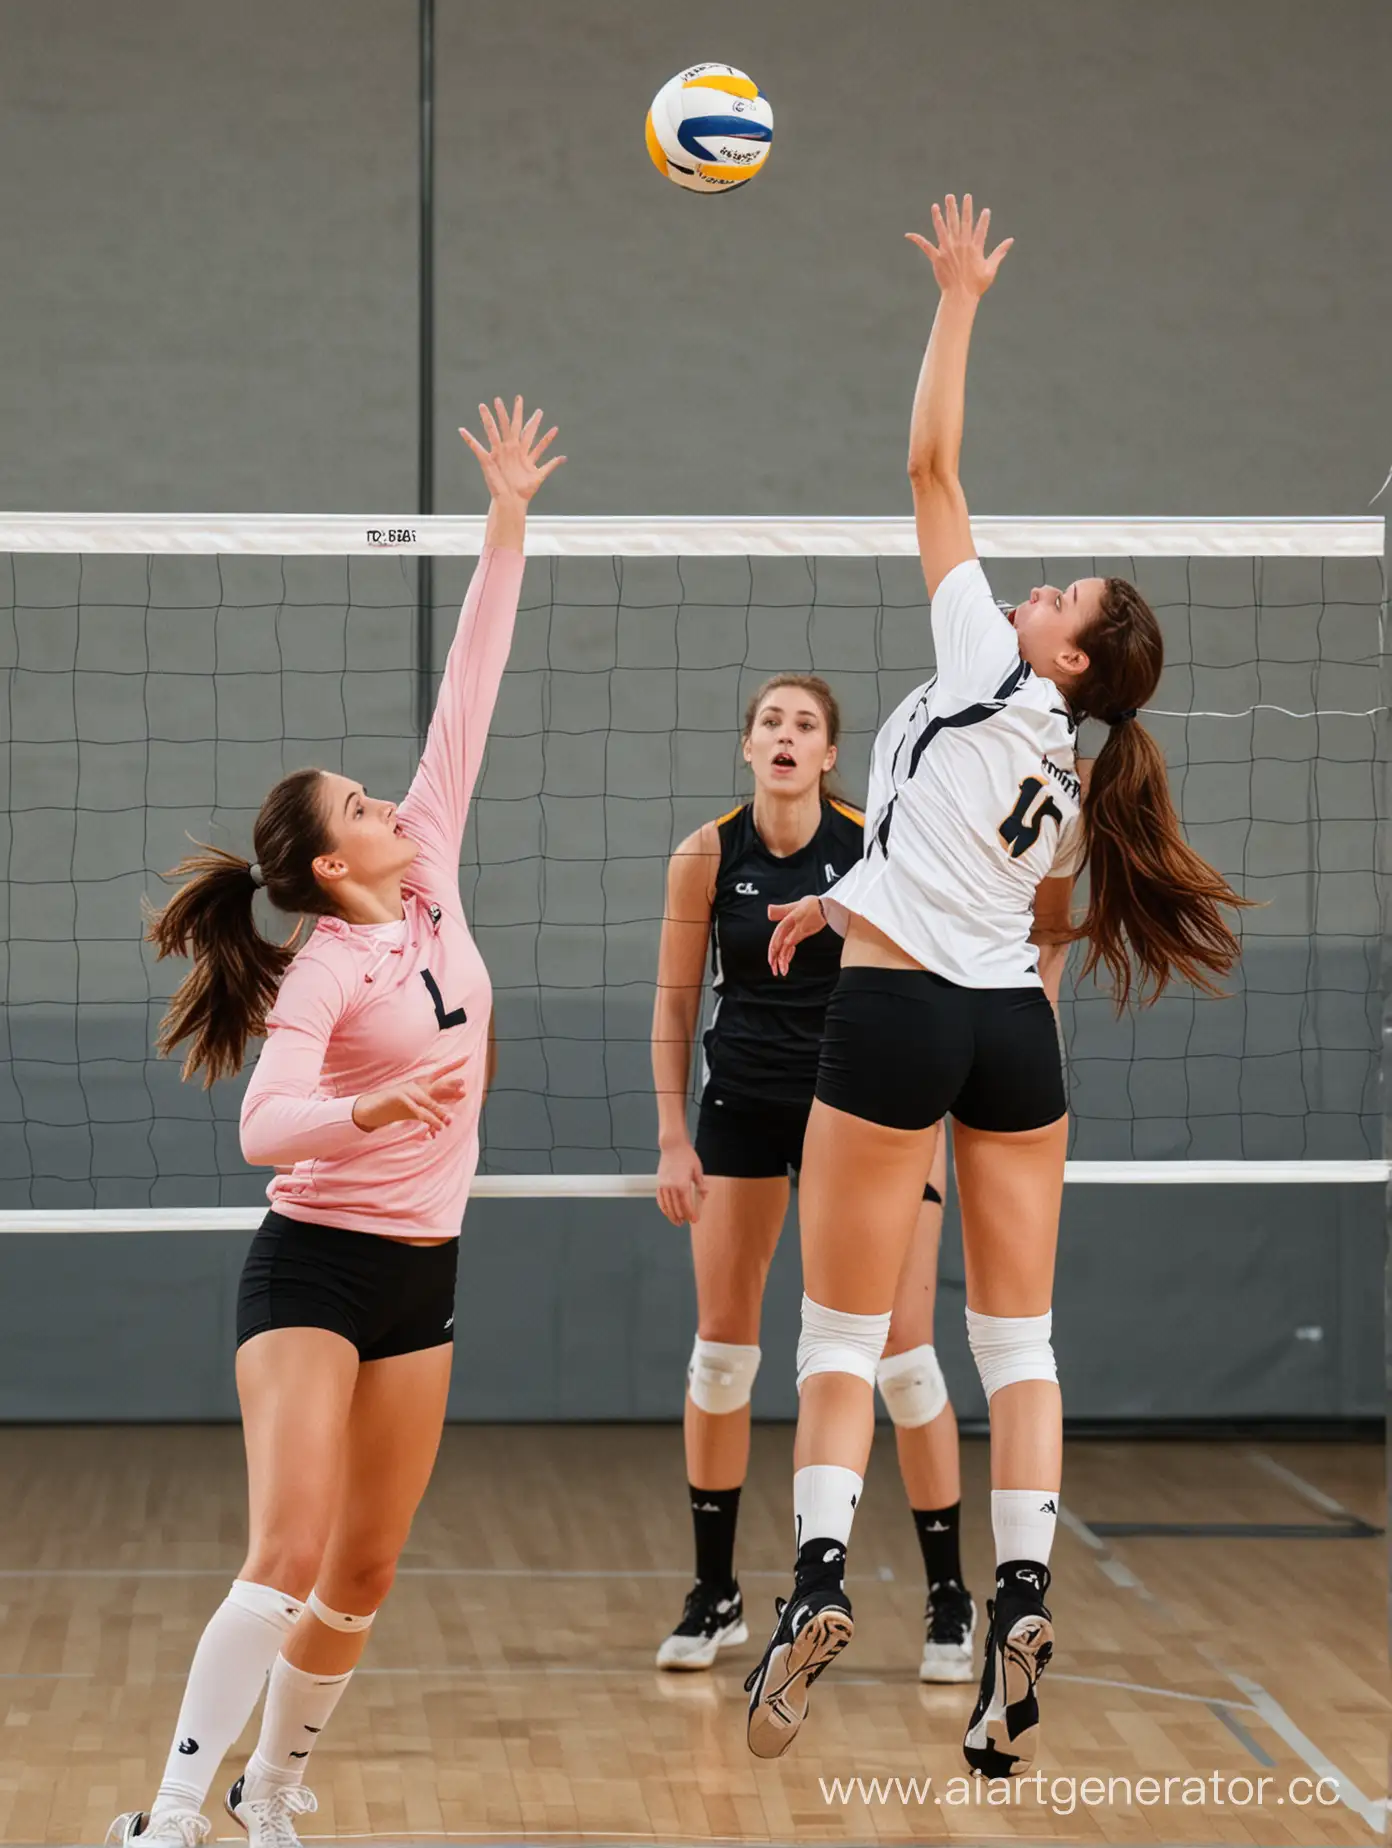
<point>959,257</point>
<point>792,924</point>
<point>512,465</point>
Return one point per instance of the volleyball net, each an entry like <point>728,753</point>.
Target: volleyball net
<point>161,672</point>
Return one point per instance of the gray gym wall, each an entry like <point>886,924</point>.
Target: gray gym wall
<point>210,305</point>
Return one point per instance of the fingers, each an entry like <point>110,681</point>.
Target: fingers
<point>490,428</point>
<point>929,250</point>
<point>994,260</point>
<point>505,421</point>
<point>529,429</point>
<point>550,467</point>
<point>778,911</point>
<point>539,449</point>
<point>423,1109</point>
<point>982,226</point>
<point>474,443</point>
<point>954,218</point>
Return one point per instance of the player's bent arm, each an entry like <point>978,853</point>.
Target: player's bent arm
<point>285,1116</point>
<point>681,967</point>
<point>1053,913</point>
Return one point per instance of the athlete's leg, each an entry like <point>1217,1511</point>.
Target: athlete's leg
<point>927,1445</point>
<point>862,1186</point>
<point>391,1441</point>
<point>295,1387</point>
<point>1011,1189</point>
<point>732,1247</point>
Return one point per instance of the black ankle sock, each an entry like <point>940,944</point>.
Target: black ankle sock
<point>1024,1578</point>
<point>820,1559</point>
<point>939,1539</point>
<point>714,1513</point>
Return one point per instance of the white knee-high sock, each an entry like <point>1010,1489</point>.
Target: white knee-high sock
<point>824,1502</point>
<point>228,1672</point>
<point>299,1705</point>
<point>1023,1521</point>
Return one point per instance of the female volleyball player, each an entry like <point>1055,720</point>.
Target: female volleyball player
<point>977,827</point>
<point>732,1184</point>
<point>362,1103</point>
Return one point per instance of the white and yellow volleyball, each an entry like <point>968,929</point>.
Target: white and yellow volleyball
<point>710,129</point>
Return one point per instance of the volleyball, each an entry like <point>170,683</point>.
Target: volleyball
<point>710,129</point>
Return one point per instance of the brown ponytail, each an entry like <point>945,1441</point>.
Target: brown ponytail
<point>224,999</point>
<point>1155,906</point>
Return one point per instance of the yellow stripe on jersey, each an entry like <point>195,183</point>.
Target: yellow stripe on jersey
<point>720,822</point>
<point>850,813</point>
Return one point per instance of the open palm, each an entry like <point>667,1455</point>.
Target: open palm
<point>512,465</point>
<point>959,257</point>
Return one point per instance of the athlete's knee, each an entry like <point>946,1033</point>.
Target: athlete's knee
<point>835,1341</point>
<point>1010,1348</point>
<point>912,1387</point>
<point>720,1375</point>
<point>355,1586</point>
<point>288,1560</point>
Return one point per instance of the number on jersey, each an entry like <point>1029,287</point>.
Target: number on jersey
<point>1021,827</point>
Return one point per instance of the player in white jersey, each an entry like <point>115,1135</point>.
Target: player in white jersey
<point>956,925</point>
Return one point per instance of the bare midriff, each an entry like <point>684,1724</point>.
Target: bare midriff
<point>867,947</point>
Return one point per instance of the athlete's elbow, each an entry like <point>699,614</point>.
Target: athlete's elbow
<point>260,1144</point>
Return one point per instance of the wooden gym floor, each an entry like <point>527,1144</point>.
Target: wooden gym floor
<point>509,1691</point>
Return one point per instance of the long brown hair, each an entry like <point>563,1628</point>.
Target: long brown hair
<point>825,698</point>
<point>1155,906</point>
<point>224,999</point>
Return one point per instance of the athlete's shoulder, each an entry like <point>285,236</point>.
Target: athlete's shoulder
<point>845,823</point>
<point>319,982</point>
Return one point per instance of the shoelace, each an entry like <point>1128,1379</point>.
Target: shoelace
<point>701,1606</point>
<point>185,1826</point>
<point>949,1614</point>
<point>273,1814</point>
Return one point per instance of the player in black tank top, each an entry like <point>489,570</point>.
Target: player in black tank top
<point>760,1057</point>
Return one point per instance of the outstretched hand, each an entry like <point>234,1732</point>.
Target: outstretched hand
<point>959,258</point>
<point>512,466</point>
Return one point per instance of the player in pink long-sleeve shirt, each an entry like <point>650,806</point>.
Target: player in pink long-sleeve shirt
<point>365,1101</point>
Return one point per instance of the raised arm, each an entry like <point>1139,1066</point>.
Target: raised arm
<point>437,805</point>
<point>681,971</point>
<point>964,273</point>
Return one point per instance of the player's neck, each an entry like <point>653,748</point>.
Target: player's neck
<point>371,904</point>
<point>786,823</point>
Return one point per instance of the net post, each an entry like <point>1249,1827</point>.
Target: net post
<point>425,454</point>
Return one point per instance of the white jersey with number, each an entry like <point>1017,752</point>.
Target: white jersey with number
<point>974,798</point>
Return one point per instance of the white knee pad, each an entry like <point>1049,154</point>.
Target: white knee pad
<point>338,1620</point>
<point>1011,1348</point>
<point>912,1387</point>
<point>720,1376</point>
<point>834,1341</point>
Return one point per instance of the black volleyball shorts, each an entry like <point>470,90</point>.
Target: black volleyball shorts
<point>751,1140</point>
<point>383,1295</point>
<point>905,1048</point>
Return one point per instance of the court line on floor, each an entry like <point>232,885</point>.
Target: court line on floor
<point>484,1671</point>
<point>1307,1491</point>
<point>1372,1811</point>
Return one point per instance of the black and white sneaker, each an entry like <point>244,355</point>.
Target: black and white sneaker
<point>268,1820</point>
<point>712,1621</point>
<point>814,1626</point>
<point>949,1633</point>
<point>183,1828</point>
<point>1003,1736</point>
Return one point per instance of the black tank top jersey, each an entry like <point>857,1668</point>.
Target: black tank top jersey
<point>765,1037</point>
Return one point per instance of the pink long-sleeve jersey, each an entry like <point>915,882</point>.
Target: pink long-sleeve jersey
<point>361,1008</point>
